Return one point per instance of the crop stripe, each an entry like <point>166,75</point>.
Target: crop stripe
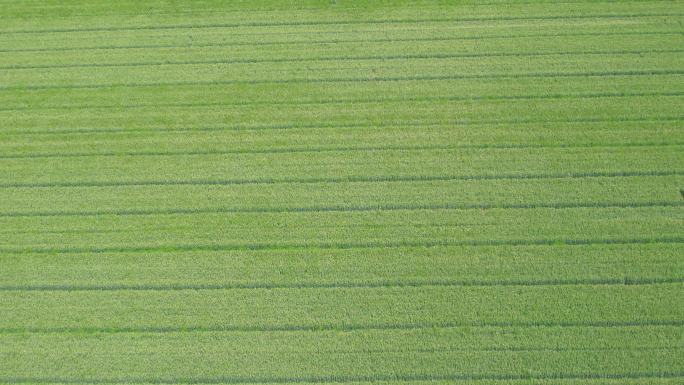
<point>343,245</point>
<point>340,58</point>
<point>341,208</point>
<point>333,149</point>
<point>349,179</point>
<point>322,125</point>
<point>338,41</point>
<point>589,74</point>
<point>345,327</point>
<point>267,10</point>
<point>623,281</point>
<point>343,22</point>
<point>344,378</point>
<point>595,95</point>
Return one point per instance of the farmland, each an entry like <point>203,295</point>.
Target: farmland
<point>342,192</point>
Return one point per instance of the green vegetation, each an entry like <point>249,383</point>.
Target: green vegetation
<point>357,192</point>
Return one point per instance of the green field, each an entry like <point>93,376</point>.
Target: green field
<point>484,192</point>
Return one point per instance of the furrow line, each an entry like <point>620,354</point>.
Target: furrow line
<point>673,349</point>
<point>339,41</point>
<point>341,245</point>
<point>337,379</point>
<point>342,327</point>
<point>352,101</point>
<point>299,9</point>
<point>333,149</point>
<point>322,209</point>
<point>589,74</point>
<point>289,126</point>
<point>341,58</point>
<point>350,179</point>
<point>343,22</point>
<point>623,281</point>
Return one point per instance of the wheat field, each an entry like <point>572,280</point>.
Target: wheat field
<point>342,192</point>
